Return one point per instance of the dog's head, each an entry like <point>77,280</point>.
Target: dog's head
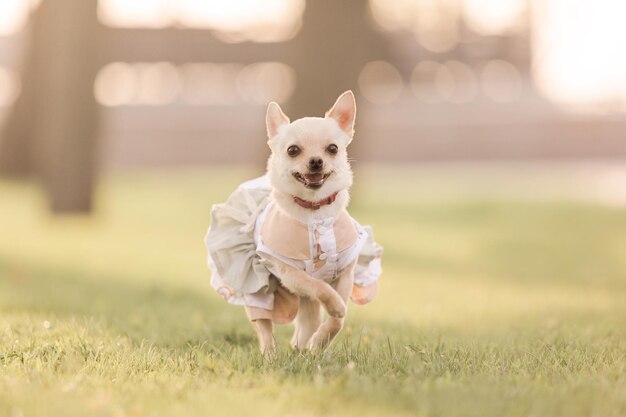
<point>309,158</point>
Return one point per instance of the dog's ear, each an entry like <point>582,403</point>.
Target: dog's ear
<point>344,112</point>
<point>274,119</point>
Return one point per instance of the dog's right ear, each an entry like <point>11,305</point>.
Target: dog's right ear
<point>274,119</point>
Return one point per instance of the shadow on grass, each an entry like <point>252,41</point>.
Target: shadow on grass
<point>163,315</point>
<point>160,314</point>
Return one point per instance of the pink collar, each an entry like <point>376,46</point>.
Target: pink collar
<point>315,205</point>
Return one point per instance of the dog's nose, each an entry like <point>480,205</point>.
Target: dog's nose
<point>316,164</point>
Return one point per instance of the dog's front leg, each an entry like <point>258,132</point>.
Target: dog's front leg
<point>308,321</point>
<point>301,284</point>
<point>333,325</point>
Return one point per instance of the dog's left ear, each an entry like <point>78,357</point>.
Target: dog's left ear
<point>344,112</point>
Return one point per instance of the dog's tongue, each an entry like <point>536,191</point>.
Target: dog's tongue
<point>314,178</point>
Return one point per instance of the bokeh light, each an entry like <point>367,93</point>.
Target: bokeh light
<point>436,26</point>
<point>233,21</point>
<point>263,82</point>
<point>465,82</point>
<point>439,38</point>
<point>501,81</point>
<point>195,84</point>
<point>159,83</point>
<point>445,83</point>
<point>393,14</point>
<point>489,17</point>
<point>136,13</point>
<point>578,51</point>
<point>423,80</point>
<point>116,84</point>
<point>13,15</point>
<point>380,82</point>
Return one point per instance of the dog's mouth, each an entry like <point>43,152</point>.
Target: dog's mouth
<point>312,180</point>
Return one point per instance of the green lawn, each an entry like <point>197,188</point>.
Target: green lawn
<point>488,307</point>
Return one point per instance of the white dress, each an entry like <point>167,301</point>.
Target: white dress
<point>238,253</point>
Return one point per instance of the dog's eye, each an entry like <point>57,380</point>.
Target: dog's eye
<point>293,150</point>
<point>332,149</point>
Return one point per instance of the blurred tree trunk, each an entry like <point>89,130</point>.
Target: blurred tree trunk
<point>15,149</point>
<point>52,130</point>
<point>336,40</point>
<point>16,136</point>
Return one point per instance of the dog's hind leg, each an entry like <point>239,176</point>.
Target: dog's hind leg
<point>308,321</point>
<point>264,331</point>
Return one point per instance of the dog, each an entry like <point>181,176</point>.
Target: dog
<point>284,245</point>
<point>308,165</point>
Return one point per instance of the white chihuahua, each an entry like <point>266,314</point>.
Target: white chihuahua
<point>291,226</point>
<point>310,176</point>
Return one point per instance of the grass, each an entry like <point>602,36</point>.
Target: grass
<point>489,307</point>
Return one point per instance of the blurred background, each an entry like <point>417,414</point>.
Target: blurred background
<point>90,86</point>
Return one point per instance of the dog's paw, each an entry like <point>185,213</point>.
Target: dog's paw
<point>298,345</point>
<point>269,352</point>
<point>318,343</point>
<point>334,305</point>
<point>315,344</point>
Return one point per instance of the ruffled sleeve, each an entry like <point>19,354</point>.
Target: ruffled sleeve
<point>368,270</point>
